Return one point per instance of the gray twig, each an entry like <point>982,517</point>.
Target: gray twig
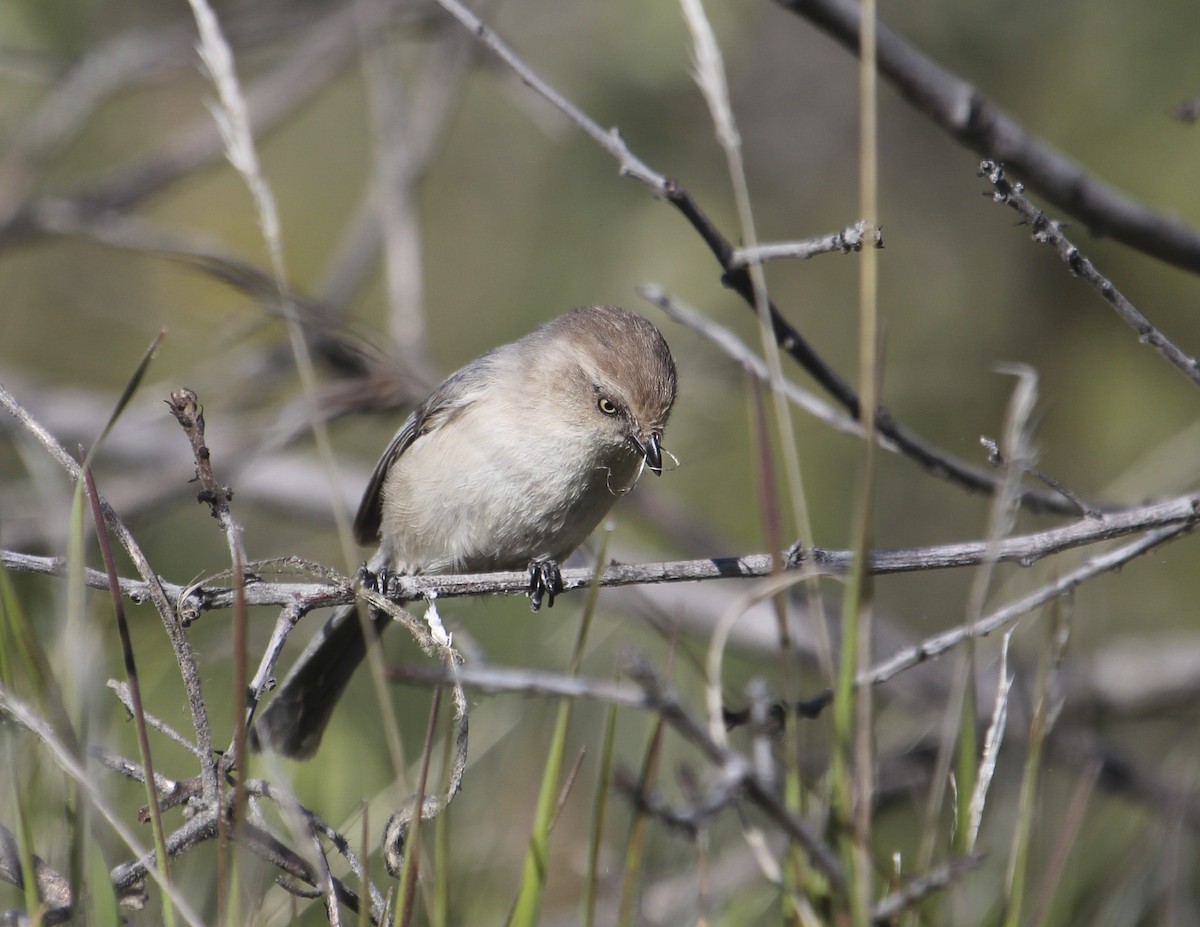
<point>1049,232</point>
<point>851,238</point>
<point>939,644</point>
<point>122,692</point>
<point>1177,514</point>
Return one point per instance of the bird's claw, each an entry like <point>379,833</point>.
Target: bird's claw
<point>383,581</point>
<point>545,580</point>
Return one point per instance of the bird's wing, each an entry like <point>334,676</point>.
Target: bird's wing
<point>445,403</point>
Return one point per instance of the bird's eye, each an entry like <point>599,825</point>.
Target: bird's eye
<point>607,406</point>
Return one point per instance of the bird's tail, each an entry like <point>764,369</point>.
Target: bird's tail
<point>295,718</point>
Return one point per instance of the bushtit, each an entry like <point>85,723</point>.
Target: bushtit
<point>508,465</point>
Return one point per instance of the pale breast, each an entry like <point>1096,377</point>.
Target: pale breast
<point>489,492</point>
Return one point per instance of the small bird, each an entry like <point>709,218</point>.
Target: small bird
<point>508,465</point>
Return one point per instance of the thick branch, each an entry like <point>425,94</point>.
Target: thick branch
<point>977,123</point>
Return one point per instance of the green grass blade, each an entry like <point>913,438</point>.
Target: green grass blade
<point>636,843</point>
<point>131,387</point>
<point>1039,727</point>
<point>527,908</point>
<point>528,905</point>
<point>599,805</point>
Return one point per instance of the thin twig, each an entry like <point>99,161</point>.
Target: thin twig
<point>609,140</point>
<point>531,682</point>
<point>126,60</point>
<point>320,882</point>
<point>764,795</point>
<point>1179,513</point>
<point>652,694</point>
<point>913,892</point>
<point>851,238</point>
<point>422,805</point>
<point>940,643</point>
<point>1049,232</point>
<point>997,459</point>
<point>689,818</point>
<point>741,354</point>
<point>167,788</point>
<point>185,406</point>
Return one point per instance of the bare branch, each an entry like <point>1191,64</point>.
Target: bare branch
<point>126,60</point>
<point>851,238</point>
<point>121,689</point>
<point>1173,515</point>
<point>1102,563</point>
<point>53,888</point>
<point>185,406</point>
<point>977,123</point>
<point>609,140</point>
<point>888,908</point>
<point>1049,232</point>
<point>733,346</point>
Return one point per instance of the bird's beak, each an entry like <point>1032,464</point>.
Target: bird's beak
<point>651,450</point>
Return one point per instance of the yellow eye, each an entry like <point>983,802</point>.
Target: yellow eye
<point>606,406</point>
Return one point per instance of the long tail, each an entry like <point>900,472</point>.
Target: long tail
<point>295,719</point>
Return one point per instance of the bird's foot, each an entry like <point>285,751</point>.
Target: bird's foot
<point>383,581</point>
<point>545,580</point>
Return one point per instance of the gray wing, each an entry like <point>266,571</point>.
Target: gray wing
<point>443,404</point>
<point>369,517</point>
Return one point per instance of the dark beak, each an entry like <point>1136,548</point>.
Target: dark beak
<point>651,451</point>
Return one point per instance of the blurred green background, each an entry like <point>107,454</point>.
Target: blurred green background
<point>517,217</point>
